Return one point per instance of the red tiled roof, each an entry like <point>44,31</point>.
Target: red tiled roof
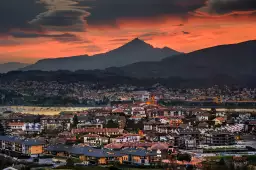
<point>117,110</point>
<point>134,145</point>
<point>92,135</point>
<point>16,124</point>
<point>113,146</point>
<point>221,119</point>
<point>160,146</point>
<point>97,130</point>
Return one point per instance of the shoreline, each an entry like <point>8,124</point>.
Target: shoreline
<point>55,110</point>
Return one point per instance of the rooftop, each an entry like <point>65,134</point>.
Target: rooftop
<point>27,142</point>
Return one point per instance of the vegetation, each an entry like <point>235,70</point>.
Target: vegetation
<point>132,126</point>
<point>112,124</point>
<point>70,162</point>
<point>184,157</point>
<point>75,121</point>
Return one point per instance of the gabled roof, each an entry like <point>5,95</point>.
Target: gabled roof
<point>138,152</point>
<point>87,151</point>
<point>16,124</point>
<point>221,119</point>
<point>27,142</point>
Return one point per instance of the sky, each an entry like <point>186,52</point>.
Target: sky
<point>35,29</point>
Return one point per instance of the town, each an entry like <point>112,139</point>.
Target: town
<point>157,128</point>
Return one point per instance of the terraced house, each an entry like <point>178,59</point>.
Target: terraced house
<point>12,144</point>
<point>105,156</point>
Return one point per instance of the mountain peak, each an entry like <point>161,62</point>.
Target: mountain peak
<point>137,42</point>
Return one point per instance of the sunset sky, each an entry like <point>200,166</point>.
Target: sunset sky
<point>34,29</point>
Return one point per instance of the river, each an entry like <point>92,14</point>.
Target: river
<point>42,110</point>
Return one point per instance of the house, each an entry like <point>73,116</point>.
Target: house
<point>155,113</point>
<point>151,125</point>
<point>203,125</point>
<point>164,121</point>
<point>203,116</point>
<point>219,138</point>
<point>89,125</point>
<point>138,112</point>
<point>166,128</point>
<point>21,146</point>
<point>59,121</point>
<point>119,146</point>
<point>87,154</point>
<point>99,131</point>
<point>186,135</point>
<point>175,112</point>
<point>141,95</point>
<point>140,157</point>
<point>127,138</point>
<point>219,120</point>
<point>220,114</point>
<point>187,142</point>
<point>15,126</point>
<point>34,128</point>
<point>95,140</point>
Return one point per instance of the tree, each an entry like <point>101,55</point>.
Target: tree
<point>212,116</point>
<point>184,157</point>
<point>213,111</point>
<point>129,124</point>
<point>2,129</point>
<point>69,162</point>
<point>112,124</point>
<point>75,121</point>
<point>222,161</point>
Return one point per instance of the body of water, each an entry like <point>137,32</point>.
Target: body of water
<point>42,110</point>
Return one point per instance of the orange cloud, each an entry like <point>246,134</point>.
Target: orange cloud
<point>196,32</point>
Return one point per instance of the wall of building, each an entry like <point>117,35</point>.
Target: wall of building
<point>33,150</point>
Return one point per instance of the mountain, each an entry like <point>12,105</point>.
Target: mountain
<point>6,67</point>
<point>232,62</point>
<point>132,52</point>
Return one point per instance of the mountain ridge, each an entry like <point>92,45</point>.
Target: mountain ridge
<point>10,66</point>
<point>233,60</point>
<point>131,52</point>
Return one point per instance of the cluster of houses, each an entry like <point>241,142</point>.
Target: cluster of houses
<point>103,135</point>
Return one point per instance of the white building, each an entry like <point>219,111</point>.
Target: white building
<point>32,128</point>
<point>95,140</point>
<point>127,138</point>
<point>138,111</point>
<point>15,126</point>
<point>203,116</point>
<point>142,95</point>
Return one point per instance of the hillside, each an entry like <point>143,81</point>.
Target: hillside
<point>132,52</point>
<point>6,67</point>
<point>234,61</point>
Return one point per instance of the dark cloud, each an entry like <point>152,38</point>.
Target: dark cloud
<point>92,48</point>
<point>107,11</point>
<point>120,40</point>
<point>228,6</point>
<point>62,20</point>
<point>73,15</point>
<point>185,32</point>
<point>7,42</point>
<point>150,35</point>
<point>15,14</point>
<point>41,15</point>
<point>59,37</point>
